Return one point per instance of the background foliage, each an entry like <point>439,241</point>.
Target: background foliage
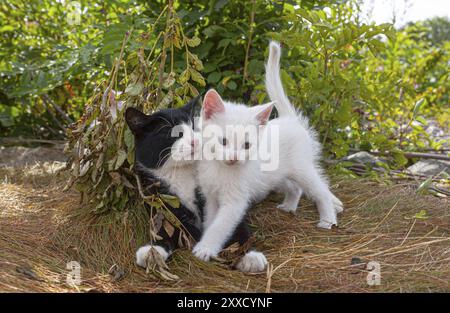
<point>362,85</point>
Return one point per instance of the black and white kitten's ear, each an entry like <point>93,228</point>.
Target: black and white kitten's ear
<point>263,112</point>
<point>136,120</point>
<point>192,107</point>
<point>212,104</point>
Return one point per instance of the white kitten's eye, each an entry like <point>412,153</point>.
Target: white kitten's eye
<point>224,141</point>
<point>246,145</point>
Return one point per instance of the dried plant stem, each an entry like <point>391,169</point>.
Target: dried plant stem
<point>162,64</point>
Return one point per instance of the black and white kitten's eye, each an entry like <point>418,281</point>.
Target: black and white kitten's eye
<point>224,141</point>
<point>179,135</point>
<point>247,145</point>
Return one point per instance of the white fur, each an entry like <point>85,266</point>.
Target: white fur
<point>142,254</point>
<point>252,262</point>
<point>229,189</point>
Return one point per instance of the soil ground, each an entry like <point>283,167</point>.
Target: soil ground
<point>406,234</point>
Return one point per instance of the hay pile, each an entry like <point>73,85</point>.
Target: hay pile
<point>41,230</point>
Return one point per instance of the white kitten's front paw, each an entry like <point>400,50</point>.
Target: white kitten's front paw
<point>252,262</point>
<point>205,252</point>
<point>287,208</point>
<point>328,212</point>
<point>143,254</point>
<point>325,225</point>
<point>328,221</point>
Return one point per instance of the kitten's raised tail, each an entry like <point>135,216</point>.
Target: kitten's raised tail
<point>273,82</point>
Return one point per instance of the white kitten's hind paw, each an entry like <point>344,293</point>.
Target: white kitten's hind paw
<point>252,262</point>
<point>287,208</point>
<point>338,206</point>
<point>143,254</point>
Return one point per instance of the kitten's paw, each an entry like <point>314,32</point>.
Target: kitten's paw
<point>290,208</point>
<point>338,206</point>
<point>327,222</point>
<point>252,262</point>
<point>205,252</point>
<point>328,212</point>
<point>325,225</point>
<point>143,254</point>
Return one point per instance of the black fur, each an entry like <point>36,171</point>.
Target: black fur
<point>153,133</point>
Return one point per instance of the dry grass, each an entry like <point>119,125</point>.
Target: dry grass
<point>41,230</point>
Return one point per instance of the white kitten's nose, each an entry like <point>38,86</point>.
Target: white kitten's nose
<point>231,162</point>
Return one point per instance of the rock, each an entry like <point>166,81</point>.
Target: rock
<point>429,167</point>
<point>362,157</point>
<point>356,260</point>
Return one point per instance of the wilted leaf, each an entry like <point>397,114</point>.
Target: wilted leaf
<point>168,228</point>
<point>197,77</point>
<point>169,80</point>
<point>134,89</point>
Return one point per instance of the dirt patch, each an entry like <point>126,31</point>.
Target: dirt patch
<point>405,233</point>
<point>25,156</point>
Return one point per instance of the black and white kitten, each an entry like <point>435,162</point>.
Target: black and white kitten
<point>166,150</point>
<point>165,145</point>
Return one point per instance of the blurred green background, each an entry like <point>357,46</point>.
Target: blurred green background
<point>364,86</point>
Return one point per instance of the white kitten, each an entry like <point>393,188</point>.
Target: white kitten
<point>231,184</point>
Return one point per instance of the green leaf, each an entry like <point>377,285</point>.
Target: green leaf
<point>214,77</point>
<point>121,157</point>
<point>422,215</point>
<point>128,138</point>
<point>423,187</point>
<point>418,106</point>
<point>400,158</point>
<point>6,28</point>
<point>184,76</point>
<point>171,200</point>
<point>231,85</point>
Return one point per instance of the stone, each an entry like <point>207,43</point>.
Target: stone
<point>429,167</point>
<point>362,157</point>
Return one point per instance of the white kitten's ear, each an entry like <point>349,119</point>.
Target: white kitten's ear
<point>212,104</point>
<point>263,113</point>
